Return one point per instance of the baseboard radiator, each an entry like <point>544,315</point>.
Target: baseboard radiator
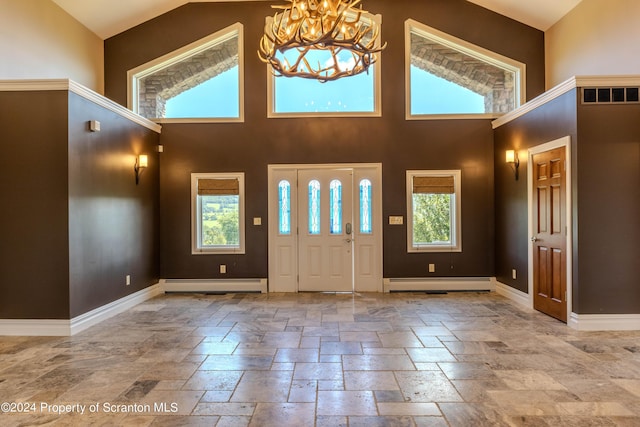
<point>439,284</point>
<point>214,285</point>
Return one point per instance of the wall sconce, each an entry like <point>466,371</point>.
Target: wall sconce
<point>512,159</point>
<point>142,161</point>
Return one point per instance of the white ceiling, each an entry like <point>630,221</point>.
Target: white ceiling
<point>540,14</point>
<point>107,18</point>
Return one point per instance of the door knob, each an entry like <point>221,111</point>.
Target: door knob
<point>534,239</point>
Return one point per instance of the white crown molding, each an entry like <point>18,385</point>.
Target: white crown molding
<point>78,89</point>
<point>548,96</point>
<point>564,87</point>
<point>63,328</point>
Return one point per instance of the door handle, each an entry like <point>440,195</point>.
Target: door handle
<point>348,228</point>
<point>534,239</point>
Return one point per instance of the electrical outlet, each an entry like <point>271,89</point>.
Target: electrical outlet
<point>127,280</point>
<point>514,274</point>
<point>432,268</point>
<point>223,269</point>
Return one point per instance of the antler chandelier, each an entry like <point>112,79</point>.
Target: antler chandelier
<point>345,37</point>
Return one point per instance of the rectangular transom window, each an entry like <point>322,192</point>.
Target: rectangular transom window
<point>447,77</point>
<point>201,82</point>
<point>218,213</point>
<point>355,96</point>
<point>433,211</point>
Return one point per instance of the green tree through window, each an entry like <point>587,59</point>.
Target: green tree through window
<point>433,211</point>
<point>220,221</point>
<point>431,218</point>
<point>218,213</point>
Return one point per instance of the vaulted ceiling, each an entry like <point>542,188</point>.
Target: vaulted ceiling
<point>107,18</point>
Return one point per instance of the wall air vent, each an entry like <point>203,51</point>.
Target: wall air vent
<point>610,95</point>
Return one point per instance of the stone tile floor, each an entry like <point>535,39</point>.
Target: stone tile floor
<point>402,359</point>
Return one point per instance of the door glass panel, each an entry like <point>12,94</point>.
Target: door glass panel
<point>335,213</point>
<point>284,207</point>
<point>314,207</point>
<point>365,207</point>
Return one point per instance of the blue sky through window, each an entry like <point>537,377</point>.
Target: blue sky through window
<point>433,95</point>
<point>217,97</point>
<point>345,95</point>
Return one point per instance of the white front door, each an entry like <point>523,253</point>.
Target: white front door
<point>309,250</point>
<point>325,230</point>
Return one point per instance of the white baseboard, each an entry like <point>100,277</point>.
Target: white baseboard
<point>439,284</point>
<point>58,328</point>
<point>605,322</point>
<point>580,322</point>
<point>93,317</point>
<point>35,327</point>
<point>213,285</point>
<point>513,294</point>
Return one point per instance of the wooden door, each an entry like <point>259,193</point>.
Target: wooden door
<point>325,237</point>
<point>549,233</point>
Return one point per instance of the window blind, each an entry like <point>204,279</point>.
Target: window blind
<point>433,185</point>
<point>218,187</point>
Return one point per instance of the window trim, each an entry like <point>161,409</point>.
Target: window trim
<point>456,212</point>
<point>470,49</point>
<point>196,212</point>
<point>234,30</point>
<point>376,69</point>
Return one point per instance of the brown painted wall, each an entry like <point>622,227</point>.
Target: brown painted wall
<point>608,209</point>
<point>34,256</point>
<point>399,144</point>
<point>193,21</point>
<point>546,123</point>
<point>606,200</point>
<point>73,223</point>
<point>113,223</point>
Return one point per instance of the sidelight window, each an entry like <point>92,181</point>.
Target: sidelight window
<point>335,213</point>
<point>314,207</point>
<point>284,208</point>
<point>365,207</point>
